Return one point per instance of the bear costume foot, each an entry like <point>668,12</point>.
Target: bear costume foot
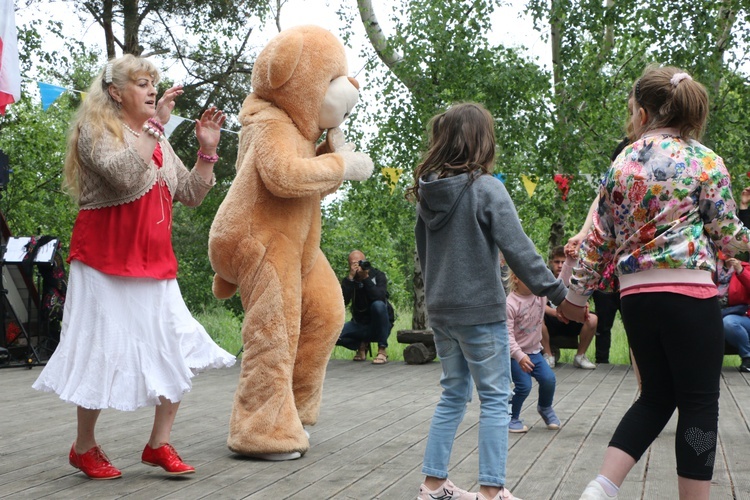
<point>277,457</point>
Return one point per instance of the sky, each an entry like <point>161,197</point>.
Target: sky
<point>509,28</point>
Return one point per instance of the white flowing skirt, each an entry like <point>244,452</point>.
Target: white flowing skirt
<point>125,342</point>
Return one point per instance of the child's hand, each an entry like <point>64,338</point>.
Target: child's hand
<point>526,364</point>
<point>573,244</point>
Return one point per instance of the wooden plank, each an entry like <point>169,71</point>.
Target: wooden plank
<point>734,434</point>
<point>368,444</point>
<point>604,409</point>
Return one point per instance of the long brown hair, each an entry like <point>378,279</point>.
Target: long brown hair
<point>462,139</point>
<point>672,99</point>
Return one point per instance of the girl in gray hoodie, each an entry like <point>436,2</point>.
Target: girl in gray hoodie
<point>465,216</point>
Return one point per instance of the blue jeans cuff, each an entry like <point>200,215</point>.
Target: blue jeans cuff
<point>491,481</point>
<point>440,474</point>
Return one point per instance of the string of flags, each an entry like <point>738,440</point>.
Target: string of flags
<point>50,93</point>
<point>530,182</point>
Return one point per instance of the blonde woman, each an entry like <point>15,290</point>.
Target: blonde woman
<point>128,340</point>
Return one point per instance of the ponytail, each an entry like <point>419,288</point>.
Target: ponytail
<point>673,99</point>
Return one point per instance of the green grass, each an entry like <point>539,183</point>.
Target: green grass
<point>224,327</point>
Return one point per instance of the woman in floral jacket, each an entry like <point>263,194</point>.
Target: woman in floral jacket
<point>665,200</point>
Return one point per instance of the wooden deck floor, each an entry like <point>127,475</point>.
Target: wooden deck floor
<point>368,443</point>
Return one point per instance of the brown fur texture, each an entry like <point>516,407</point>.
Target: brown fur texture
<point>265,241</point>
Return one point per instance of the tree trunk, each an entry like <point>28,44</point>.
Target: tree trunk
<point>391,58</point>
<point>725,20</point>
<point>609,31</point>
<point>557,231</point>
<point>131,24</point>
<point>376,36</point>
<point>109,35</point>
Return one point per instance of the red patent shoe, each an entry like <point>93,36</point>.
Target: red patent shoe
<point>167,458</point>
<point>94,463</point>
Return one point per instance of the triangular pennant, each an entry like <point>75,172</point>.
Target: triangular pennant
<point>499,176</point>
<point>173,123</point>
<point>50,93</point>
<point>392,175</point>
<point>563,184</point>
<point>529,184</point>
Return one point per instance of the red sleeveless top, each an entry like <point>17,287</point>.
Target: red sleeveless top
<point>133,239</point>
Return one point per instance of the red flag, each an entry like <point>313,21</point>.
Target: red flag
<point>563,184</point>
<point>10,74</point>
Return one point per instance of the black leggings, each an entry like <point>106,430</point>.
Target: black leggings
<point>678,344</point>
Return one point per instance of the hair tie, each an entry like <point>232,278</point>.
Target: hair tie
<point>678,77</point>
<point>108,73</point>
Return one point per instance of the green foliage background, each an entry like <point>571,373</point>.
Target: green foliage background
<point>564,119</point>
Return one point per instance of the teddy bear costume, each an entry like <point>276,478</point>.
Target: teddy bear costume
<point>265,238</point>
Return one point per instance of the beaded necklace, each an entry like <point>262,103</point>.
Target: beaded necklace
<point>131,130</point>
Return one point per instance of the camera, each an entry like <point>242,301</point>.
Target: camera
<point>365,265</point>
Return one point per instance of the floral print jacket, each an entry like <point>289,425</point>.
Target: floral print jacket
<point>662,202</point>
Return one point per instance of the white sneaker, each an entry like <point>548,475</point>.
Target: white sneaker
<point>448,491</point>
<point>550,360</point>
<point>504,494</point>
<point>581,361</point>
<point>595,491</point>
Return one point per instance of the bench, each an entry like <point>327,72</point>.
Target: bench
<point>421,348</point>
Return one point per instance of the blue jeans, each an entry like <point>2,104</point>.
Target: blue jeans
<point>522,381</point>
<point>377,330</point>
<point>481,353</point>
<point>737,333</point>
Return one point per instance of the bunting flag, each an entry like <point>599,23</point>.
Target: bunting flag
<point>10,74</point>
<point>563,184</point>
<point>392,175</point>
<point>49,93</point>
<point>499,176</point>
<point>529,184</point>
<point>173,123</point>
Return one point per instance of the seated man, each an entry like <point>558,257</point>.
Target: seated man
<point>584,331</point>
<point>734,296</point>
<point>372,315</point>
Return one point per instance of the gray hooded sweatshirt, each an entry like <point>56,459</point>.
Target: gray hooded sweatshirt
<point>461,224</point>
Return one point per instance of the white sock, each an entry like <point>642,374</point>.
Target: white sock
<point>610,488</point>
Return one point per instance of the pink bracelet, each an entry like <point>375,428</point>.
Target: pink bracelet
<point>207,158</point>
<point>152,131</point>
<point>156,124</point>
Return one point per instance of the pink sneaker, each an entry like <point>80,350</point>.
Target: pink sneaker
<point>448,491</point>
<point>504,494</point>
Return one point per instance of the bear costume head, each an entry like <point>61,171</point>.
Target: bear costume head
<point>303,72</point>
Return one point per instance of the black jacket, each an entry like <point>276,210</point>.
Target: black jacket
<point>362,294</point>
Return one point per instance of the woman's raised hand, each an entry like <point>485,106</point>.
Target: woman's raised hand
<point>166,104</point>
<point>208,129</point>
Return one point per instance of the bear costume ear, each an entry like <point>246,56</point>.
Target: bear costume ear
<point>284,59</point>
